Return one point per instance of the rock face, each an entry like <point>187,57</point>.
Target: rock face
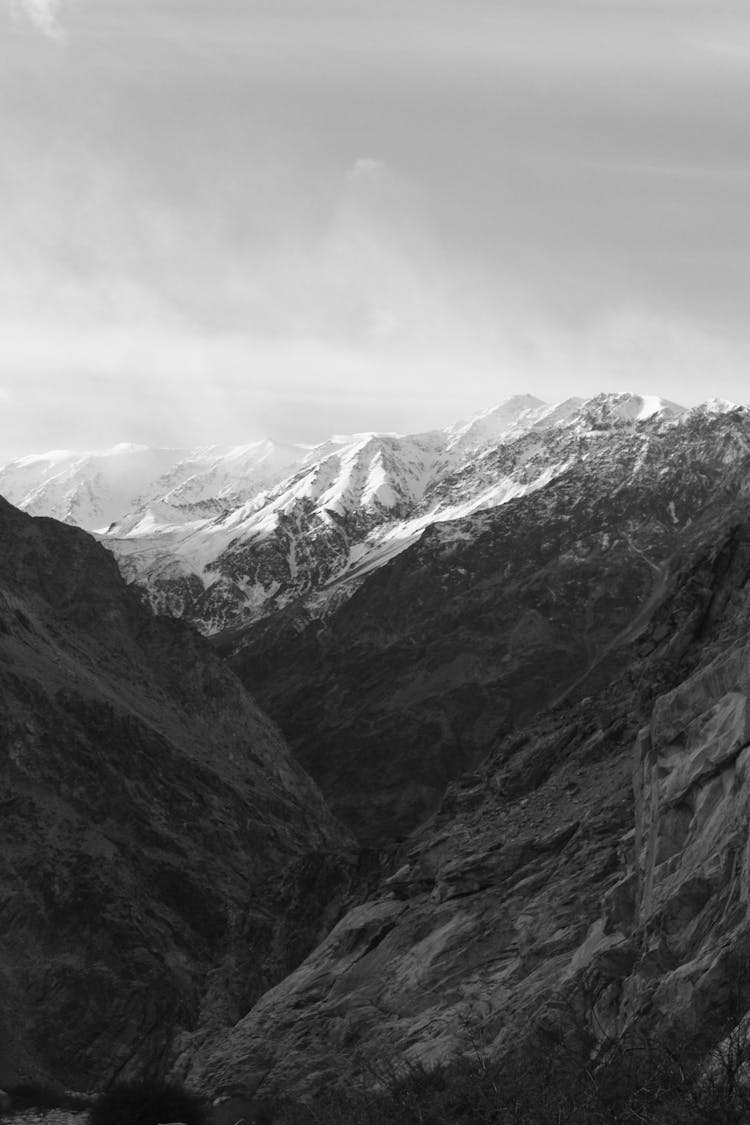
<point>690,785</point>
<point>687,922</point>
<point>163,858</point>
<point>487,620</point>
<point>570,881</point>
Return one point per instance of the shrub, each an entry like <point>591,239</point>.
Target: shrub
<point>545,1083</point>
<point>148,1102</point>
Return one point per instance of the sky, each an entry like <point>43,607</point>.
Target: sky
<point>227,219</point>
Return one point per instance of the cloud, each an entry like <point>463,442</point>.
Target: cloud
<point>365,168</point>
<point>45,16</point>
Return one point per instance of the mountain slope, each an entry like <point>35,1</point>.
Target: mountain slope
<point>584,882</point>
<point>224,537</point>
<point>351,505</point>
<point>93,490</point>
<point>163,859</point>
<point>487,620</point>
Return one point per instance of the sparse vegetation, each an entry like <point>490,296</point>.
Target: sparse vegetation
<point>638,1083</point>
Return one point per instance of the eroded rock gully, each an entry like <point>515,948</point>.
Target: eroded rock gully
<point>569,880</point>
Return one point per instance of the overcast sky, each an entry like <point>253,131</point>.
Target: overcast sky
<point>227,218</point>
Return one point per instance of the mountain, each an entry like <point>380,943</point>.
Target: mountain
<point>163,857</point>
<point>487,619</point>
<point>586,882</point>
<point>88,490</point>
<point>526,693</point>
<point>225,536</point>
<point>399,603</point>
<point>92,490</point>
<point>351,504</point>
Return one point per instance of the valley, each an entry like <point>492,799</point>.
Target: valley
<point>459,758</point>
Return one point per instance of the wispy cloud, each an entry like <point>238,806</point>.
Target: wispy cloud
<point>45,16</point>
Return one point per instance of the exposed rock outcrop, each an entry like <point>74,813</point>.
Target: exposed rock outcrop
<point>679,917</point>
<point>163,858</point>
<point>550,891</point>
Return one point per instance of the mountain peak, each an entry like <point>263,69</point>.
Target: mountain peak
<point>626,406</point>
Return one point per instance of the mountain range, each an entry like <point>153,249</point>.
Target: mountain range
<point>513,657</point>
<point>225,536</point>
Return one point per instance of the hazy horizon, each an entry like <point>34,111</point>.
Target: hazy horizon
<point>320,438</point>
<point>222,222</point>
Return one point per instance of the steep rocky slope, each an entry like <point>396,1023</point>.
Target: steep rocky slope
<point>487,620</point>
<point>163,858</point>
<point>584,879</point>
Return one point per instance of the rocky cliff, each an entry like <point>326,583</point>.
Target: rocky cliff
<point>163,858</point>
<point>590,876</point>
<point>679,917</point>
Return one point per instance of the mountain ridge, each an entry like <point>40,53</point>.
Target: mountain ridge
<point>224,537</point>
<point>488,619</point>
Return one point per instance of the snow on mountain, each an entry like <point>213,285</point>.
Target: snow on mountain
<point>86,489</point>
<point>516,415</point>
<point>356,501</point>
<point>96,489</point>
<point>228,475</point>
<point>223,536</point>
<point>607,409</point>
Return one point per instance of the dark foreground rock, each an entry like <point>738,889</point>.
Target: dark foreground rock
<point>163,859</point>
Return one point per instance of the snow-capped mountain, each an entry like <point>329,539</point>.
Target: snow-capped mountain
<point>91,490</point>
<point>510,418</point>
<point>85,489</point>
<point>356,502</point>
<point>225,536</point>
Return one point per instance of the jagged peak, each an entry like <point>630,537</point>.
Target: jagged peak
<point>713,406</point>
<point>628,406</point>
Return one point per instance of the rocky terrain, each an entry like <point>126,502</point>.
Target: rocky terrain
<point>163,857</point>
<point>588,877</point>
<point>526,694</point>
<point>488,620</point>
